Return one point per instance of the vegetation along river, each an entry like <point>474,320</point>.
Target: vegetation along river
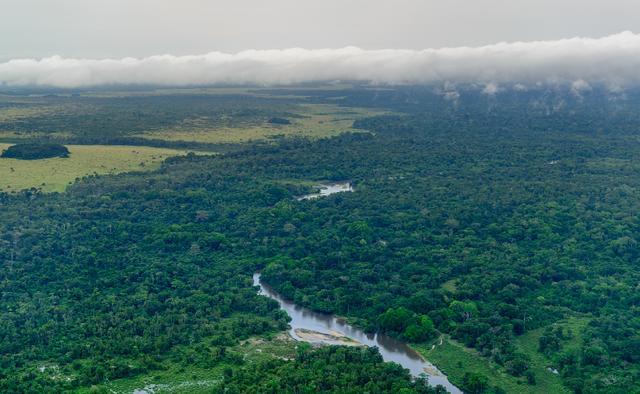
<point>314,327</point>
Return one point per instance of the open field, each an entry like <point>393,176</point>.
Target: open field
<point>54,175</point>
<point>313,121</point>
<point>454,359</point>
<point>213,122</point>
<point>209,115</point>
<point>17,113</point>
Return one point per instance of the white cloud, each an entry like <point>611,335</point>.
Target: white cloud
<point>580,86</point>
<point>612,60</point>
<point>520,87</point>
<point>490,89</point>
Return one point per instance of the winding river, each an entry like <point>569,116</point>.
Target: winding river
<point>315,327</point>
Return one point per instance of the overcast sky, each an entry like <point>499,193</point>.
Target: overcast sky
<point>496,43</point>
<point>139,28</point>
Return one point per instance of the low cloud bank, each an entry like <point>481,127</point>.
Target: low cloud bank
<point>613,61</point>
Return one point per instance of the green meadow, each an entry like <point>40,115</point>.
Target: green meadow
<point>55,174</point>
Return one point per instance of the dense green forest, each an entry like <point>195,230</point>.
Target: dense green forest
<point>35,151</point>
<point>481,219</point>
<point>328,369</point>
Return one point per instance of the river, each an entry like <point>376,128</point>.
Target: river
<point>305,321</point>
<point>328,189</point>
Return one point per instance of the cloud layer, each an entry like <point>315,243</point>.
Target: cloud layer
<point>613,61</point>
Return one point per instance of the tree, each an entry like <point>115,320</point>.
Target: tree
<point>474,383</point>
<point>420,331</point>
<point>395,319</point>
<point>464,310</point>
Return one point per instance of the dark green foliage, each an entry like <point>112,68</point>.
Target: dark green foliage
<point>486,222</point>
<point>402,322</point>
<point>326,370</point>
<point>549,342</point>
<point>280,121</point>
<point>531,377</point>
<point>474,383</point>
<point>395,319</point>
<point>34,151</point>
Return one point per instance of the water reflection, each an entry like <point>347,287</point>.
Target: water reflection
<point>391,349</point>
<point>328,189</point>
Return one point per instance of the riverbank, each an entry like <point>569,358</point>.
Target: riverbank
<point>455,360</point>
<point>314,327</point>
<point>330,338</point>
<point>172,376</point>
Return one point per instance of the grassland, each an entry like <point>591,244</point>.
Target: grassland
<point>312,121</point>
<point>54,175</point>
<point>24,112</point>
<point>454,359</point>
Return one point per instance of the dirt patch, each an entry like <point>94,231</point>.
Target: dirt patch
<point>433,371</point>
<point>332,338</point>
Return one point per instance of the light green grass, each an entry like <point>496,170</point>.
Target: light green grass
<point>528,343</point>
<point>20,112</point>
<point>55,174</point>
<point>454,359</point>
<point>315,121</point>
<point>8,114</point>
